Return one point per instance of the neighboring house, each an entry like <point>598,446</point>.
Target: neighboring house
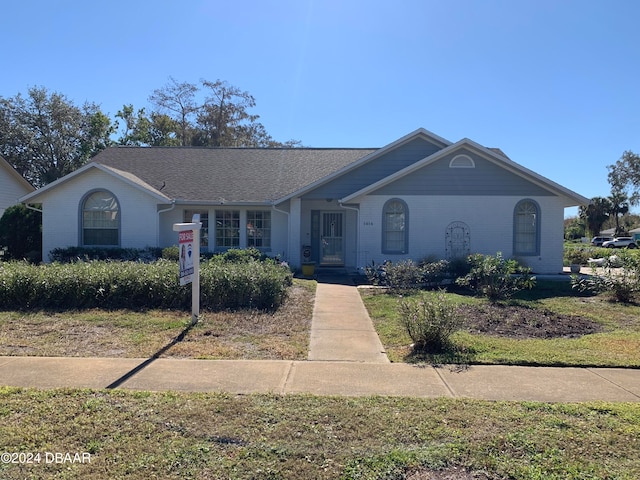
<point>420,196</point>
<point>635,233</point>
<point>12,186</point>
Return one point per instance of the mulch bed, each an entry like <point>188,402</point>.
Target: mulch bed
<point>523,322</point>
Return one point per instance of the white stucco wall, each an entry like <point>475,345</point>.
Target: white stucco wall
<point>490,222</point>
<point>11,189</point>
<point>61,212</point>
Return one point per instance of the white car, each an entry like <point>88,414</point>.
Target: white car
<point>620,242</point>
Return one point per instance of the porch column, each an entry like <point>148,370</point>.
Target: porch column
<point>295,245</point>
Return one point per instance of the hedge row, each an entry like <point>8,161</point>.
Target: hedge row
<point>135,285</point>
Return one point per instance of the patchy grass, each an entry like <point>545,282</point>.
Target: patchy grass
<point>283,334</point>
<point>616,345</point>
<point>142,435</point>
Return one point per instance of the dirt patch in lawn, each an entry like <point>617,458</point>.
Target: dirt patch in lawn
<point>245,334</point>
<point>452,473</point>
<point>523,322</point>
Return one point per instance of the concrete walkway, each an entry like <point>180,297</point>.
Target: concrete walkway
<point>341,329</point>
<point>325,378</point>
<point>346,358</point>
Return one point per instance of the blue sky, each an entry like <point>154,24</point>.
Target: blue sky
<point>553,83</point>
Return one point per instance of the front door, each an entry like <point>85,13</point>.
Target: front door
<point>331,239</point>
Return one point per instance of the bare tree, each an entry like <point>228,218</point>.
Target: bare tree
<point>178,98</point>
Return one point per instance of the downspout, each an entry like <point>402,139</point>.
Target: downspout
<point>288,214</point>
<point>357,210</point>
<point>33,208</point>
<point>173,205</point>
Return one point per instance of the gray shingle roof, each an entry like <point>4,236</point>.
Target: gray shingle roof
<point>228,174</point>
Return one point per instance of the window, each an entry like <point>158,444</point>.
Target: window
<point>227,228</point>
<point>204,219</point>
<point>259,228</point>
<point>526,228</point>
<point>462,161</point>
<point>100,219</point>
<point>394,227</point>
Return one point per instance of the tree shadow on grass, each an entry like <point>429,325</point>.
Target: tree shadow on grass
<point>180,337</point>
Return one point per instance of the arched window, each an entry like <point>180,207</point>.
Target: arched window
<point>526,228</point>
<point>100,217</point>
<point>395,223</point>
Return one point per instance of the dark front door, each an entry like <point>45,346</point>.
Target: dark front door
<point>331,238</point>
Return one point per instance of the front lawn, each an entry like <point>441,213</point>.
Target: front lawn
<point>144,435</point>
<point>556,326</point>
<point>243,334</point>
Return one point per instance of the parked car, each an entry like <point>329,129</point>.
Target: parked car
<point>620,242</point>
<point>598,241</point>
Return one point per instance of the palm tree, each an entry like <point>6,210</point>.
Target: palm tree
<point>618,205</point>
<point>595,214</point>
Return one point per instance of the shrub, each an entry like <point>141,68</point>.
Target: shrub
<point>576,256</point>
<point>75,254</point>
<point>171,253</point>
<point>235,255</point>
<point>135,285</point>
<point>430,321</point>
<point>496,277</point>
<point>619,278</point>
<point>406,275</point>
<point>21,233</point>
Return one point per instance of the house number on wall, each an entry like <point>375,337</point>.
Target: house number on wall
<point>367,223</point>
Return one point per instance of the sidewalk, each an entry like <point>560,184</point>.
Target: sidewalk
<point>544,384</point>
<point>345,358</point>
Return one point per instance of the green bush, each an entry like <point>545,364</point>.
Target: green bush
<point>619,278</point>
<point>171,253</point>
<point>135,285</point>
<point>407,275</point>
<point>235,255</point>
<point>75,254</point>
<point>580,254</point>
<point>21,234</point>
<point>496,277</point>
<point>430,321</point>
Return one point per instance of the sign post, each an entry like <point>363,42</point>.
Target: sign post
<point>189,251</point>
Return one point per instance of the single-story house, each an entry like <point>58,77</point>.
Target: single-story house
<point>419,196</point>
<point>12,186</point>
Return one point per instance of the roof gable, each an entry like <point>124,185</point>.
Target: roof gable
<point>126,177</point>
<point>522,181</point>
<point>379,164</point>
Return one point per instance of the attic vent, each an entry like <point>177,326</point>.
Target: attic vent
<point>462,161</point>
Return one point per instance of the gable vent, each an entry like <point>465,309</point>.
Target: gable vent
<point>462,161</point>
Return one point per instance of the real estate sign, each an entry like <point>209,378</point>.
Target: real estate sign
<point>185,246</point>
<point>189,247</point>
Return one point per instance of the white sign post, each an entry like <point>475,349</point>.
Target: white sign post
<point>189,251</point>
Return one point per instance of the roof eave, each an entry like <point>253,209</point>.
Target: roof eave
<point>223,203</point>
<point>29,198</point>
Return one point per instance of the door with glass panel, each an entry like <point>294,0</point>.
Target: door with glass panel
<point>332,239</point>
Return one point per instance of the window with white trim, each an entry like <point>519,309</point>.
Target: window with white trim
<point>526,228</point>
<point>259,228</point>
<point>204,219</point>
<point>395,237</point>
<point>100,220</point>
<point>227,228</point>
